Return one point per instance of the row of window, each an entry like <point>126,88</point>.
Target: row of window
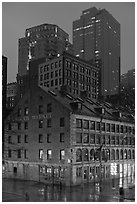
<point>87,138</point>
<point>24,154</point>
<point>40,124</point>
<point>26,110</point>
<point>51,83</point>
<point>81,69</point>
<point>40,140</point>
<point>20,153</point>
<point>80,77</point>
<point>50,75</point>
<point>106,127</point>
<point>48,67</point>
<point>18,139</point>
<point>105,154</point>
<point>49,154</point>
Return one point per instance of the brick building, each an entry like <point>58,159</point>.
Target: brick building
<point>71,72</point>
<point>53,137</point>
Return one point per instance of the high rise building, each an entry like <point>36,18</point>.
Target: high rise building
<point>96,37</point>
<point>128,79</point>
<point>46,40</point>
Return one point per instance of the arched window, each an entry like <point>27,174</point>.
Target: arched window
<point>103,155</point>
<point>92,154</point>
<point>108,154</point>
<point>78,155</point>
<point>117,154</point>
<point>85,155</point>
<point>121,154</point>
<point>125,154</point>
<point>129,154</point>
<point>112,154</point>
<point>133,154</point>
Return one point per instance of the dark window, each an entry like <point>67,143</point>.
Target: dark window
<point>49,154</point>
<point>49,122</point>
<point>117,128</point>
<point>40,109</point>
<point>62,122</point>
<point>62,154</point>
<point>48,137</point>
<point>107,139</point>
<point>78,155</point>
<point>26,138</point>
<point>107,127</point>
<point>9,139</point>
<point>117,140</point>
<point>62,137</point>
<point>103,126</point>
<point>92,138</point>
<point>19,126</point>
<point>125,140</point>
<point>25,154</point>
<point>19,138</point>
<point>98,126</point>
<point>26,111</point>
<point>19,111</point>
<point>40,123</point>
<point>51,74</point>
<point>86,138</point>
<point>129,140</point>
<point>121,129</point>
<point>97,139</point>
<point>26,125</point>
<point>40,138</point>
<point>51,82</point>
<point>112,127</point>
<point>49,107</point>
<point>78,137</point>
<point>102,139</point>
<point>79,172</point>
<point>19,153</point>
<point>113,140</point>
<point>121,140</point>
<point>85,124</point>
<point>9,153</point>
<point>9,126</point>
<point>92,125</point>
<point>79,123</point>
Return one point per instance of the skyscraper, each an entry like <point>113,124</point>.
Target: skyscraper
<point>96,38</point>
<point>46,40</point>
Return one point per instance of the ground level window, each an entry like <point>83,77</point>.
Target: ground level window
<point>79,172</point>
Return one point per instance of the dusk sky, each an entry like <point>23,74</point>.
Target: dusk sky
<point>18,16</point>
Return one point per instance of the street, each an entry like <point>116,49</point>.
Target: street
<point>106,191</point>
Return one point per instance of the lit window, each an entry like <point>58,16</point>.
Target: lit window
<point>26,111</point>
<point>49,154</point>
<point>41,153</point>
<point>40,123</point>
<point>62,154</point>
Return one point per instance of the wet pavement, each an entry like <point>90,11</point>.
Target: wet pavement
<point>106,191</point>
